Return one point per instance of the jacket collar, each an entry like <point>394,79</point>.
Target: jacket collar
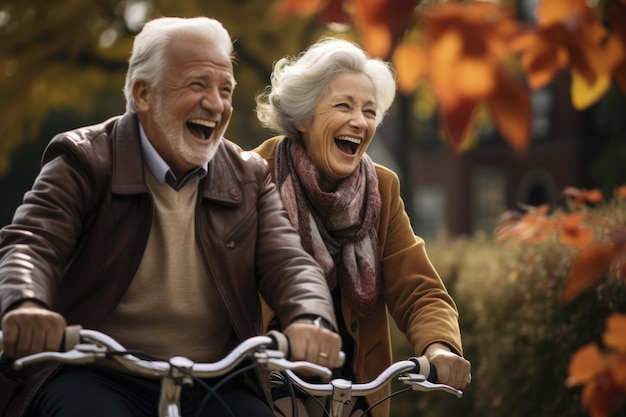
<point>220,184</point>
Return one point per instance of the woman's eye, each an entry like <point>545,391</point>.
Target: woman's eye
<point>343,105</point>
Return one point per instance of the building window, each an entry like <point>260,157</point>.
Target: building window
<point>488,191</point>
<point>430,206</point>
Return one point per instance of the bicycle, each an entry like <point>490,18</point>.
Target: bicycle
<point>416,372</point>
<point>91,346</point>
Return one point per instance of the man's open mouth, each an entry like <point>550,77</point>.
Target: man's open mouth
<point>347,144</point>
<point>201,128</point>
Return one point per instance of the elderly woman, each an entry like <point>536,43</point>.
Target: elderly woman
<point>326,105</point>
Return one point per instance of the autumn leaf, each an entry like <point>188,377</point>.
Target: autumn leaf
<point>588,266</point>
<point>584,94</point>
<point>467,46</point>
<point>584,364</point>
<point>614,336</point>
<point>410,62</point>
<point>602,397</point>
<point>380,23</point>
<point>572,233</point>
<point>549,12</point>
<point>510,108</point>
<point>570,33</point>
<point>543,54</point>
<point>582,195</point>
<point>533,226</point>
<point>594,56</point>
<point>621,191</point>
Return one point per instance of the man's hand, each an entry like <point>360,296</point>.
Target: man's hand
<point>308,342</point>
<point>31,328</point>
<point>452,369</point>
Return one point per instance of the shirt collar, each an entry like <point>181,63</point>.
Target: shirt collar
<point>159,168</point>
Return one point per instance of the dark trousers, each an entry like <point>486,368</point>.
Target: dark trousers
<point>83,391</point>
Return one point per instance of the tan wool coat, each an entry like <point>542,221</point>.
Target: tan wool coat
<point>413,293</point>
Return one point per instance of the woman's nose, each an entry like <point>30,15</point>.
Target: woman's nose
<point>358,120</point>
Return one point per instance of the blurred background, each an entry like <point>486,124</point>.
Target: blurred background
<point>63,63</point>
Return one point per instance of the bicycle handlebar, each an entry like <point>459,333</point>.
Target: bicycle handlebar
<point>93,345</point>
<point>417,372</point>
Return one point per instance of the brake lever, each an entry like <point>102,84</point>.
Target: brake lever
<point>81,354</point>
<point>418,382</point>
<point>274,360</point>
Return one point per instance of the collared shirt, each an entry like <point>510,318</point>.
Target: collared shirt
<point>161,171</point>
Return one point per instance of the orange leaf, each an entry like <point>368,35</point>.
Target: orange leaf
<point>572,233</point>
<point>457,120</point>
<point>621,191</point>
<point>582,196</point>
<point>588,266</point>
<point>593,51</point>
<point>510,107</point>
<point>560,11</point>
<point>617,370</point>
<point>602,398</point>
<point>593,196</point>
<point>584,364</point>
<point>409,61</point>
<point>614,336</point>
<point>534,226</point>
<point>381,22</point>
<point>543,54</point>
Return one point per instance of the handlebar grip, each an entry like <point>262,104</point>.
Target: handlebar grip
<point>71,337</point>
<point>279,342</point>
<point>424,367</point>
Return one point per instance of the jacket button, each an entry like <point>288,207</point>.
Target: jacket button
<point>354,326</point>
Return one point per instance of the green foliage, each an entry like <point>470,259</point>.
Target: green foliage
<point>517,335</point>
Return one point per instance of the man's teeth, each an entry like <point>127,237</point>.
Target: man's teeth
<point>202,122</point>
<point>349,139</point>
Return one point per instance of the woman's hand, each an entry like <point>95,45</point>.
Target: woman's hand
<point>452,369</point>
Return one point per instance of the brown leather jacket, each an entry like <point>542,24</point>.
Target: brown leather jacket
<point>77,239</point>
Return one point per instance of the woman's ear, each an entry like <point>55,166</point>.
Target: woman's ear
<point>141,93</point>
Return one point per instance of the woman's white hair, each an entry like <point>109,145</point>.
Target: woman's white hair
<point>298,83</point>
<point>148,61</point>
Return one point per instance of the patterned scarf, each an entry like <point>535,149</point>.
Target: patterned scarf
<point>336,228</point>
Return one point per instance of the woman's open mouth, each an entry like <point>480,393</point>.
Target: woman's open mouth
<point>347,144</point>
<point>201,128</point>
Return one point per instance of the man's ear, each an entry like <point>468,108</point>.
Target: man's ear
<point>141,93</point>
